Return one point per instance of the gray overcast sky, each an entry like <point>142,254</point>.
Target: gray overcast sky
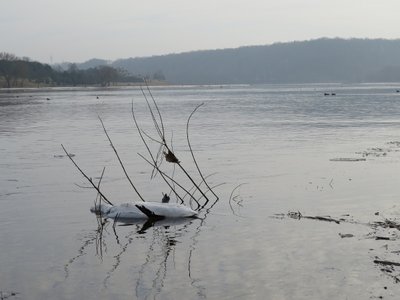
<point>77,30</point>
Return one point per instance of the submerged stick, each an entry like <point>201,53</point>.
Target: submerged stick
<point>120,162</point>
<point>87,178</point>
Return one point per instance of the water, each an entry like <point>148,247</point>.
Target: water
<point>277,141</point>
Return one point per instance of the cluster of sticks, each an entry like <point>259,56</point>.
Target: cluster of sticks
<point>165,151</point>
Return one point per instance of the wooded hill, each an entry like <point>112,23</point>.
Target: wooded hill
<point>315,61</point>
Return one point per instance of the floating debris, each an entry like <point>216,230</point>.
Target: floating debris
<point>348,159</point>
<point>6,295</point>
<point>346,235</point>
<point>394,143</point>
<point>373,152</point>
<point>298,215</point>
<point>62,156</point>
<point>385,230</point>
<point>386,263</point>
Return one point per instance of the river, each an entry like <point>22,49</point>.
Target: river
<point>270,150</point>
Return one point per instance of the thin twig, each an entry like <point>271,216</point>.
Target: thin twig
<point>174,167</point>
<point>158,161</point>
<point>151,154</point>
<point>213,187</point>
<point>82,187</point>
<point>160,133</point>
<point>191,150</point>
<point>98,195</point>
<point>84,175</point>
<point>120,162</point>
<point>194,183</point>
<point>151,138</point>
<point>158,110</point>
<point>212,174</point>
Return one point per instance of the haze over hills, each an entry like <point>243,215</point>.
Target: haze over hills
<point>315,61</point>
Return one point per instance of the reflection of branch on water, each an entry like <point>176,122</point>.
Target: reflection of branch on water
<point>195,282</point>
<point>163,236</point>
<point>142,268</point>
<point>167,240</point>
<point>163,243</point>
<point>118,257</point>
<point>159,256</point>
<point>97,238</point>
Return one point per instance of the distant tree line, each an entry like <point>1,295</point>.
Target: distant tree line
<point>20,72</point>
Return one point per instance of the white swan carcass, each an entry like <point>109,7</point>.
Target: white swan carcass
<point>144,210</point>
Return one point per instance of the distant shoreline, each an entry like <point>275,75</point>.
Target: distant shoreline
<point>82,87</point>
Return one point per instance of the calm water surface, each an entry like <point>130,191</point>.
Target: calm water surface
<point>278,141</point>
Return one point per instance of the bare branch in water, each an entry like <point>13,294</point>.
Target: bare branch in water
<point>156,160</point>
<point>174,168</point>
<point>159,160</point>
<point>154,164</point>
<point>191,150</point>
<point>156,106</point>
<point>153,173</point>
<point>141,135</point>
<point>194,183</point>
<point>193,187</point>
<point>120,162</point>
<point>210,189</point>
<point>169,155</point>
<point>84,175</point>
<point>151,138</point>
<point>156,125</point>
